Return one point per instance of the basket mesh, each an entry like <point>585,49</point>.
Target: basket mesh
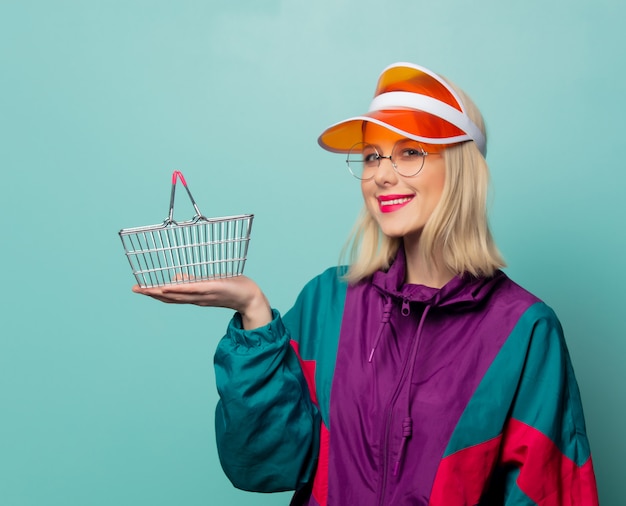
<point>188,251</point>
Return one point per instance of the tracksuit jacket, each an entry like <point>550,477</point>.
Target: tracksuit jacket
<point>385,393</point>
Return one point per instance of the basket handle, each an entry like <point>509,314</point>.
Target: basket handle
<point>176,175</point>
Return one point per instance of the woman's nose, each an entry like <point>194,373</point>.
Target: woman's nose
<point>385,172</point>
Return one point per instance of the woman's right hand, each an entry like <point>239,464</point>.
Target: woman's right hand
<point>239,293</point>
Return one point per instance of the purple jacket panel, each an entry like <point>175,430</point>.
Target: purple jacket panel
<point>402,350</point>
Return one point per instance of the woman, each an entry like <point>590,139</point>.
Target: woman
<point>421,374</point>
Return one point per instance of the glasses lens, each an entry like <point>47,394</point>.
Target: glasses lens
<point>408,157</point>
<point>362,160</point>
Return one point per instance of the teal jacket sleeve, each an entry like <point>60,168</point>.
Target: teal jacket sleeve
<point>545,441</point>
<point>521,440</point>
<point>267,427</point>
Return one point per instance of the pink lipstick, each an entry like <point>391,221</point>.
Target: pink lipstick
<point>391,203</point>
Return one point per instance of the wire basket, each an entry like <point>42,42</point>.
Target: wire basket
<point>187,251</point>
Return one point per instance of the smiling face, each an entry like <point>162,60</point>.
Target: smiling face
<point>401,205</point>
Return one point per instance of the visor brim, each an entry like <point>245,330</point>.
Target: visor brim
<point>417,125</point>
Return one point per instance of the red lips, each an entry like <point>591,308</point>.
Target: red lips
<point>391,203</point>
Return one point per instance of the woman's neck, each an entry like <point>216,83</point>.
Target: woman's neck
<point>418,273</point>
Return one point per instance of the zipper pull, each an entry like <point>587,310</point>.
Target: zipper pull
<point>406,308</point>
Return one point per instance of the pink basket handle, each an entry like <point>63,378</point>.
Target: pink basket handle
<point>176,175</point>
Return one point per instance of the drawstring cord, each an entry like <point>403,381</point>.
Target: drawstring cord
<point>407,422</point>
<point>385,319</point>
<point>407,432</point>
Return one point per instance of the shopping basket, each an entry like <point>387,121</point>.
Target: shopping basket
<point>187,251</point>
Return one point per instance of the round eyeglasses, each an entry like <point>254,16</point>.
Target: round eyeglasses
<point>407,159</point>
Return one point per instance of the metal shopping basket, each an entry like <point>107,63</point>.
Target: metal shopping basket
<point>187,251</point>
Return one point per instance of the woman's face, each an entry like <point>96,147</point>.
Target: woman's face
<point>401,205</point>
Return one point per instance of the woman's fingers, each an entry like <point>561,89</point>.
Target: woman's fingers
<point>239,293</point>
<point>233,293</point>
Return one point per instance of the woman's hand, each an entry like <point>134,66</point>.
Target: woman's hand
<point>239,293</point>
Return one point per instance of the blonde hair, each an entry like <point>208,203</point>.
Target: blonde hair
<point>456,235</point>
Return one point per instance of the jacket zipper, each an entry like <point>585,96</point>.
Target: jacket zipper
<point>389,418</point>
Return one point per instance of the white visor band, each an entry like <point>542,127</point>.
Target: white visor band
<point>397,100</point>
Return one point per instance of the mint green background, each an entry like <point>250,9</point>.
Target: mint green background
<point>106,397</point>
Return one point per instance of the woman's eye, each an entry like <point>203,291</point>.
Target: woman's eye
<point>370,157</point>
<point>411,153</point>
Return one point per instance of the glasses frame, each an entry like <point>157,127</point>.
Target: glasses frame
<point>380,157</point>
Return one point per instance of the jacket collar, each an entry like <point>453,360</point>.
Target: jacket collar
<point>466,290</point>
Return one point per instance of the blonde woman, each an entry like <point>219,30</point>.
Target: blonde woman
<point>420,373</point>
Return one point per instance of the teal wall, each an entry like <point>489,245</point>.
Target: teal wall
<point>107,398</point>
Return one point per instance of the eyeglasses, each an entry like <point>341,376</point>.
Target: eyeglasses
<point>407,159</point>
